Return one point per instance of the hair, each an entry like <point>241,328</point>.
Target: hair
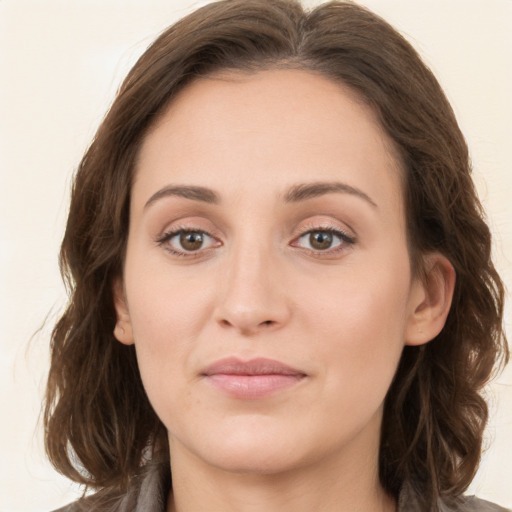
<point>100,426</point>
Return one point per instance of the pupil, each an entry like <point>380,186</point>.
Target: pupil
<point>320,240</point>
<point>191,241</point>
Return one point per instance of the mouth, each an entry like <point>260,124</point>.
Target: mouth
<point>253,379</point>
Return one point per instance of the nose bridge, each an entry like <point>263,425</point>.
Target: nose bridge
<point>252,297</point>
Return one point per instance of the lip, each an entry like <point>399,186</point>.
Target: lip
<point>253,379</point>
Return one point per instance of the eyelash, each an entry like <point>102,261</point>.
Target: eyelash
<point>169,235</point>
<point>344,241</point>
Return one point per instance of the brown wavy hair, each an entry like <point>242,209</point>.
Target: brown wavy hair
<point>100,427</point>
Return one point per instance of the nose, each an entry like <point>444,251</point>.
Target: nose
<point>252,296</point>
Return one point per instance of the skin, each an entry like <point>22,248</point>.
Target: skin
<point>256,287</point>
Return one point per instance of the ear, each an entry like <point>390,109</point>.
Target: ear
<point>123,329</point>
<point>430,300</point>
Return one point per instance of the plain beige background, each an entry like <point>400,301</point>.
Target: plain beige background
<point>60,64</point>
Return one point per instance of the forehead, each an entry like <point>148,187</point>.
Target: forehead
<point>268,130</point>
<point>235,96</point>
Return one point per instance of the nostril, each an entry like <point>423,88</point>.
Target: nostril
<point>246,326</point>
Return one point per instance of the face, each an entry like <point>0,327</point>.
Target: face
<point>267,284</point>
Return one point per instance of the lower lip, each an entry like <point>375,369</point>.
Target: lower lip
<point>252,386</point>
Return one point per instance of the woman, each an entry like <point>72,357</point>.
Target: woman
<point>282,291</point>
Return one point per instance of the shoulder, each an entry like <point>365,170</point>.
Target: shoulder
<point>102,502</point>
<point>474,504</point>
<point>91,504</point>
<point>147,493</point>
<point>67,508</point>
<point>77,506</point>
<point>410,501</point>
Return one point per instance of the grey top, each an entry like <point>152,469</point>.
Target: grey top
<point>150,495</point>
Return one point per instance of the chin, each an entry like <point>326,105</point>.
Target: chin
<point>249,447</point>
<point>255,461</point>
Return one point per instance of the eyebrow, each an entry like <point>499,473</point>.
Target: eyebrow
<point>311,190</point>
<point>187,191</point>
<point>295,194</point>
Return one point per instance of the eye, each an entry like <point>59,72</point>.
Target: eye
<point>323,240</point>
<point>183,241</point>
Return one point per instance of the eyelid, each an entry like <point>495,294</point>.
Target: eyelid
<point>325,224</point>
<point>347,239</point>
<point>197,223</point>
<point>345,236</point>
<point>174,230</point>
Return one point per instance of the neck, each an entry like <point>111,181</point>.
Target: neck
<point>249,493</point>
<point>341,482</point>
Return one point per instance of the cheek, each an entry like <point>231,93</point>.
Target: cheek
<point>167,313</point>
<point>166,306</point>
<point>164,333</point>
<point>359,326</point>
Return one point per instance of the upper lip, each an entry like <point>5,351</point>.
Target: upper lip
<point>258,366</point>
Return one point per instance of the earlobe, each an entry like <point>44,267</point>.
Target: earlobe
<point>123,329</point>
<point>431,299</point>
